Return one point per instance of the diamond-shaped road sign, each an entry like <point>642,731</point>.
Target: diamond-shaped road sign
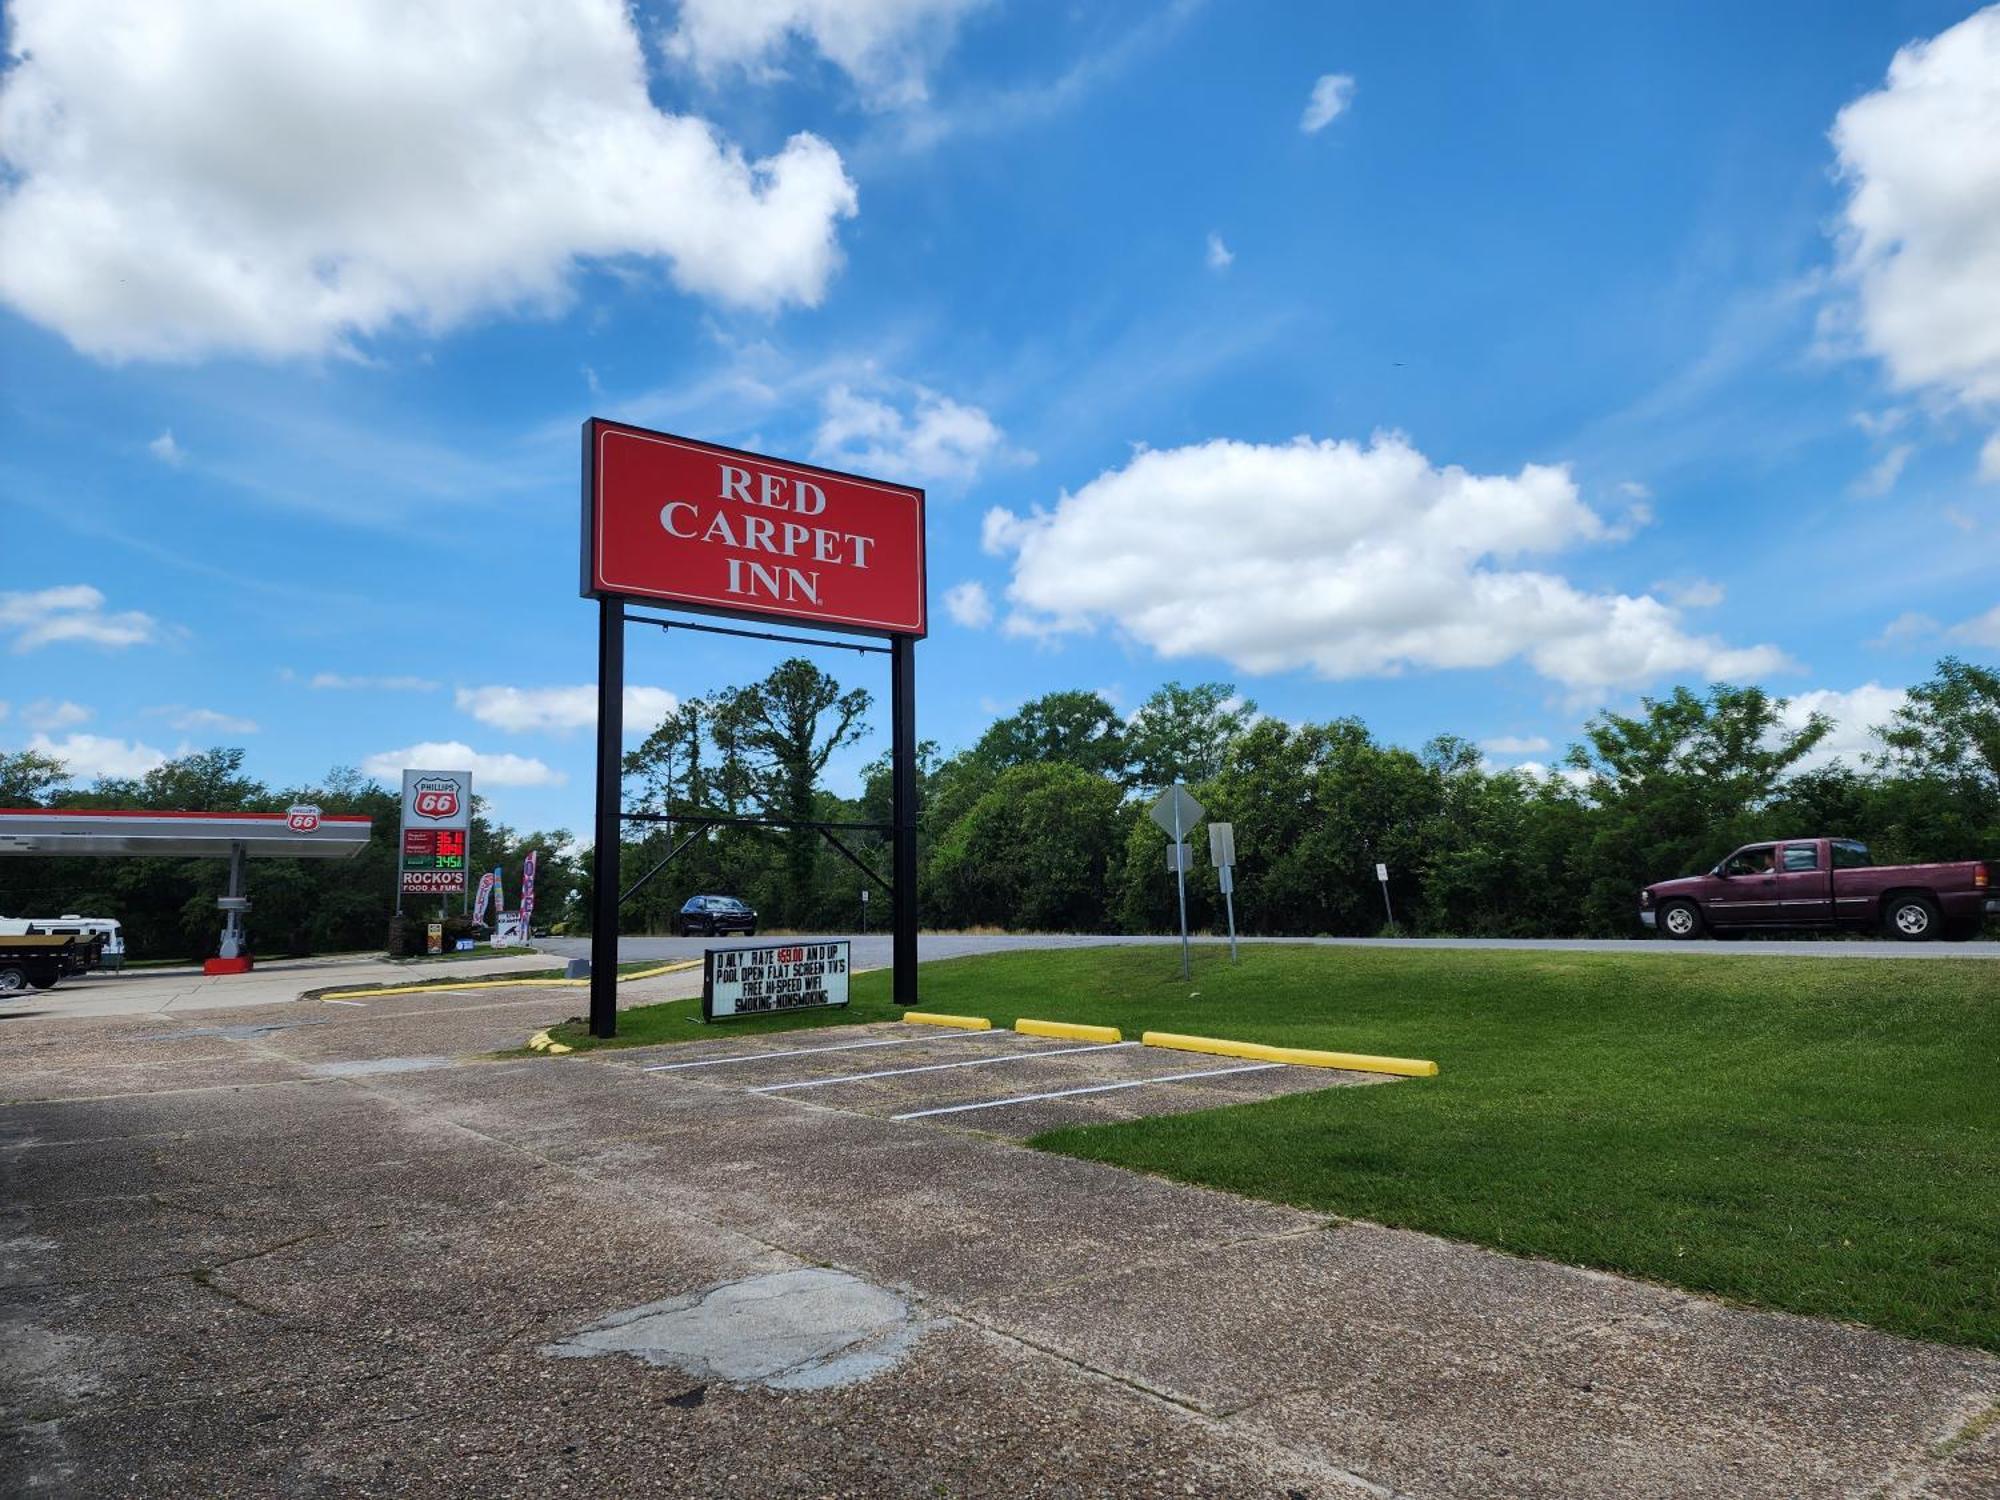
<point>1176,811</point>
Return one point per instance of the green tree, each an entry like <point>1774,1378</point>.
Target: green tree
<point>783,731</point>
<point>1077,728</point>
<point>1039,851</point>
<point>1949,728</point>
<point>1184,733</point>
<point>29,778</point>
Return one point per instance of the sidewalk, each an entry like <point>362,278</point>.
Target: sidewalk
<point>133,992</point>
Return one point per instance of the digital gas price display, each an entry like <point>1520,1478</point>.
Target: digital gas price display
<point>434,861</point>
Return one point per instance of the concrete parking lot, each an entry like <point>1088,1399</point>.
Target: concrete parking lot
<point>315,1249</point>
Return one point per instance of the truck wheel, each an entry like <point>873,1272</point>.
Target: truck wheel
<point>1680,920</point>
<point>1912,919</point>
<point>43,984</point>
<point>13,979</point>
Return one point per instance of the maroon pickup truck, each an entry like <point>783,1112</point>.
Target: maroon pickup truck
<point>1823,883</point>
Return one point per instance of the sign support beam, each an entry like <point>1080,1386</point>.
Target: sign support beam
<point>903,815</point>
<point>609,837</point>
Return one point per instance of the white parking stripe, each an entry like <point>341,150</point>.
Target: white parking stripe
<point>1094,1088</point>
<point>901,1041</point>
<point>977,1062</point>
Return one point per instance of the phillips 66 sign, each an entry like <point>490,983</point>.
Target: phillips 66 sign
<point>670,520</point>
<point>437,817</point>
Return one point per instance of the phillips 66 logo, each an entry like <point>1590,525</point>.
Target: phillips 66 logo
<point>303,818</point>
<point>436,797</point>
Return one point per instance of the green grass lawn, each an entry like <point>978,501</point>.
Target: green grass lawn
<point>1819,1135</point>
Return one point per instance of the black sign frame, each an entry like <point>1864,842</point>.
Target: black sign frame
<point>611,817</point>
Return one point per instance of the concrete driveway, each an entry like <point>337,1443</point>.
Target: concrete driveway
<point>306,1249</point>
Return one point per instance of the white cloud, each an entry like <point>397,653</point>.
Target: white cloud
<point>1855,713</point>
<point>47,713</point>
<point>88,756</point>
<point>1882,476</point>
<point>969,604</point>
<point>336,682</point>
<point>937,441</point>
<point>1980,630</point>
<point>885,46</point>
<point>166,450</point>
<point>202,720</point>
<point>1220,256</point>
<point>1514,744</point>
<point>562,708</point>
<point>1693,593</point>
<point>1353,561</point>
<point>456,755</point>
<point>1989,458</point>
<point>1331,94</point>
<point>71,612</point>
<point>1909,626</point>
<point>1920,237</point>
<point>1881,424</point>
<point>183,178</point>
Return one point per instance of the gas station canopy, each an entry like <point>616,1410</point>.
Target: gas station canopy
<point>183,835</point>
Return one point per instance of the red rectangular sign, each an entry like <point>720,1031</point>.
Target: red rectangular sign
<point>714,528</point>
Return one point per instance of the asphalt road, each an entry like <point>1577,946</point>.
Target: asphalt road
<point>872,951</point>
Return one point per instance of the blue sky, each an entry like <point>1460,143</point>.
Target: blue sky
<point>1580,351</point>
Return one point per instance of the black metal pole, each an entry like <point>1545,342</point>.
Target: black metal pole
<point>610,792</point>
<point>903,814</point>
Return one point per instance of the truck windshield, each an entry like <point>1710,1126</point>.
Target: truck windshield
<point>1848,855</point>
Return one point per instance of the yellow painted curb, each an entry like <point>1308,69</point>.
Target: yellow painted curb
<point>931,1018</point>
<point>1300,1057</point>
<point>1072,1030</point>
<point>499,982</point>
<point>673,968</point>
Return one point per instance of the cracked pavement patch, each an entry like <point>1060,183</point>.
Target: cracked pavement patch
<point>807,1330</point>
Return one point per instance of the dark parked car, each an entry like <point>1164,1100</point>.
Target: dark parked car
<point>714,915</point>
<point>1823,883</point>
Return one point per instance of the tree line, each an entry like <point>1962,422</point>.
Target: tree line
<point>1040,824</point>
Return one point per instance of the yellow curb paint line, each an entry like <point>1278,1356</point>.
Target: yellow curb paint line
<point>674,968</point>
<point>1300,1057</point>
<point>932,1018</point>
<point>500,983</point>
<point>1070,1030</point>
<point>445,989</point>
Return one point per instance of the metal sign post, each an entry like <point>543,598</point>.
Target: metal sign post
<point>1176,811</point>
<point>1222,854</point>
<point>1382,874</point>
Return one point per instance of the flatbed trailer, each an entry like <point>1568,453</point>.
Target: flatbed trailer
<point>39,960</point>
